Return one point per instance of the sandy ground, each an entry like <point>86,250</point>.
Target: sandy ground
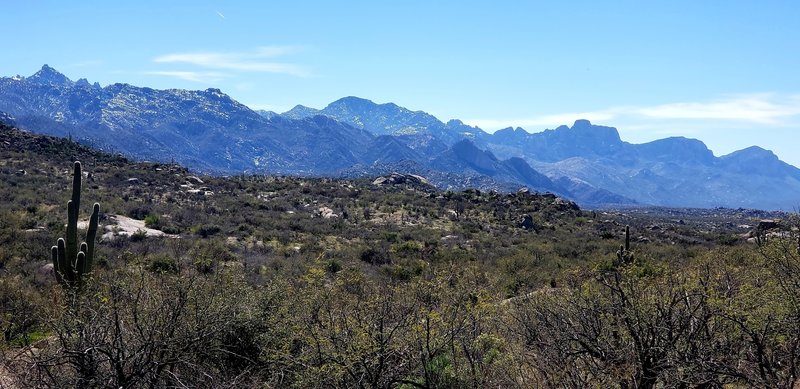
<point>13,358</point>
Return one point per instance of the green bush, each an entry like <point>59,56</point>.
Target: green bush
<point>207,230</point>
<point>153,221</point>
<point>375,257</point>
<point>138,236</point>
<point>163,264</point>
<point>333,266</point>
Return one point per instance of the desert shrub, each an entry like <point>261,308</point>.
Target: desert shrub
<point>170,229</point>
<point>139,212</point>
<point>407,248</point>
<point>20,311</point>
<point>153,221</point>
<point>206,230</point>
<point>150,330</point>
<point>205,255</point>
<point>374,256</point>
<point>333,266</point>
<point>138,236</point>
<point>163,264</point>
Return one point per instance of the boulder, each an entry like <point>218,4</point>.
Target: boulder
<point>767,224</point>
<point>527,223</point>
<point>326,213</point>
<point>403,179</point>
<point>195,180</point>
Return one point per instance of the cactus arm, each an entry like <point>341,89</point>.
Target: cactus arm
<point>76,188</point>
<point>73,207</point>
<point>82,268</point>
<point>80,263</point>
<point>54,255</point>
<point>56,269</point>
<point>91,236</point>
<point>627,238</point>
<point>72,231</point>
<point>64,268</point>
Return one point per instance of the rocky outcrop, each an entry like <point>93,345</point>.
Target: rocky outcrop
<point>527,223</point>
<point>395,179</point>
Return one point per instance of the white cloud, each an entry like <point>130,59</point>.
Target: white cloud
<point>252,61</point>
<point>765,108</point>
<point>737,111</point>
<point>204,77</point>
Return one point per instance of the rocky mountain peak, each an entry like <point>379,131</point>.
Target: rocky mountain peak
<point>455,122</point>
<point>511,134</point>
<point>585,129</point>
<point>753,153</point>
<point>677,149</point>
<point>48,75</point>
<point>759,161</point>
<point>300,112</point>
<point>351,103</point>
<point>581,123</point>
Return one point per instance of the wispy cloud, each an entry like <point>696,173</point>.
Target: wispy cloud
<point>765,108</point>
<point>735,111</point>
<point>204,77</point>
<point>261,60</point>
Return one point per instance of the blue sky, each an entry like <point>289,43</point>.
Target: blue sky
<point>724,72</point>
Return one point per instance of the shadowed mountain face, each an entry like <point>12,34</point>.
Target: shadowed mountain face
<point>418,130</point>
<point>205,130</point>
<point>671,172</point>
<point>209,131</point>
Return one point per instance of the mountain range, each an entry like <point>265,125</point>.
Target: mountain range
<point>209,131</point>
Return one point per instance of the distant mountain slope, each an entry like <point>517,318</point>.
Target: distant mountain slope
<point>380,119</point>
<point>464,156</point>
<point>415,128</point>
<point>672,172</point>
<point>209,131</point>
<point>206,130</point>
<point>591,162</point>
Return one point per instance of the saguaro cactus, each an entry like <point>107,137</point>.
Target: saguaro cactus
<point>624,255</point>
<point>71,262</point>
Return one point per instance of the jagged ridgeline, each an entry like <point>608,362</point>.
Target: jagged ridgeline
<point>208,131</point>
<point>71,262</point>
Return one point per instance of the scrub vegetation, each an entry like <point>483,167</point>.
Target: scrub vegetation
<point>266,281</point>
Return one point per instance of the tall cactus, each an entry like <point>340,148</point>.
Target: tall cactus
<point>624,255</point>
<point>71,262</point>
